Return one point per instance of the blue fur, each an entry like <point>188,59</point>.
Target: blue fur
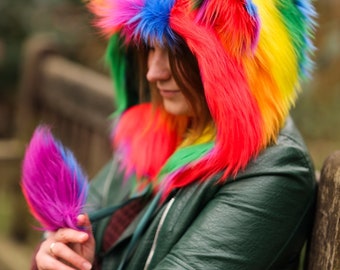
<point>307,65</point>
<point>153,22</point>
<point>251,9</point>
<point>75,168</point>
<point>307,10</point>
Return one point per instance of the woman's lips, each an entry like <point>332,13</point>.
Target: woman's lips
<point>168,93</point>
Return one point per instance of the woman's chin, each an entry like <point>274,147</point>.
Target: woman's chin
<point>176,109</point>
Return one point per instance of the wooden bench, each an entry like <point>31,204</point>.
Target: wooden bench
<point>324,251</point>
<point>77,101</point>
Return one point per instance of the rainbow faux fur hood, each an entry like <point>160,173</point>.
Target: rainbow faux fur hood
<point>252,55</point>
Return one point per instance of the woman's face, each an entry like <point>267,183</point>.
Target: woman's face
<point>159,73</point>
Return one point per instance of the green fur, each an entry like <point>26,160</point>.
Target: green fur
<point>197,3</point>
<point>116,59</point>
<point>184,156</point>
<point>296,26</point>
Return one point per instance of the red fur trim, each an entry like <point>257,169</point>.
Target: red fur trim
<point>233,108</point>
<point>146,137</point>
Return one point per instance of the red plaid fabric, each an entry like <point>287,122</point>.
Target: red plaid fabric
<point>120,220</point>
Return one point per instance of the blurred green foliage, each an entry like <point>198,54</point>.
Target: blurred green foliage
<point>13,29</point>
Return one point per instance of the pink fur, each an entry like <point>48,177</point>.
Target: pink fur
<point>52,182</point>
<point>124,10</point>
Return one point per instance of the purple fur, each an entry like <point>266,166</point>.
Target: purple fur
<point>52,182</point>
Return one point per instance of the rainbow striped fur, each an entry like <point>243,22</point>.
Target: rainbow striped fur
<point>263,49</point>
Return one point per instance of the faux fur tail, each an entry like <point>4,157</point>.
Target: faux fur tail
<point>52,182</point>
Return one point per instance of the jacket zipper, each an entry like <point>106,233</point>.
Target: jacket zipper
<point>154,244</point>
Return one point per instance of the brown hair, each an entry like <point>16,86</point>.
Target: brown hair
<point>185,70</point>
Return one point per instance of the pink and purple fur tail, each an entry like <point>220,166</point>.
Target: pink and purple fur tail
<point>52,182</point>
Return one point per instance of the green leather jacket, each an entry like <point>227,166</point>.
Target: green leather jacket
<point>259,220</point>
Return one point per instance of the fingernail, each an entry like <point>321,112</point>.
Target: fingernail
<point>87,266</point>
<point>83,236</point>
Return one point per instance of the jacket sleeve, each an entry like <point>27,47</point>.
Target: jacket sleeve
<point>96,192</point>
<point>259,222</point>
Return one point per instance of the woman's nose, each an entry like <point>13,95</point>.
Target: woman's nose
<point>158,66</point>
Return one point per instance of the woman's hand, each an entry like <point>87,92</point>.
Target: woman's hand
<point>68,249</point>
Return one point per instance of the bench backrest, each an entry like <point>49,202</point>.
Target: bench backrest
<point>75,101</point>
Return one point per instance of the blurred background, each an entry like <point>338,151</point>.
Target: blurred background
<point>67,24</point>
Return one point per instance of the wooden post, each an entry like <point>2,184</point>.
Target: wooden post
<point>325,242</point>
<point>74,100</point>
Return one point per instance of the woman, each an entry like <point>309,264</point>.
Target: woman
<point>209,171</point>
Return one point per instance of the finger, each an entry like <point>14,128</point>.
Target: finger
<point>84,222</point>
<point>64,253</point>
<point>48,261</point>
<point>53,264</point>
<point>70,236</point>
